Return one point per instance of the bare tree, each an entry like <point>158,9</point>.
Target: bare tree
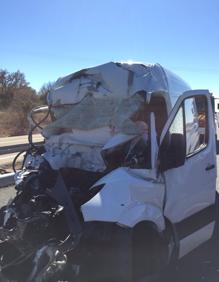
<point>14,80</point>
<point>45,90</point>
<point>9,82</point>
<point>16,101</point>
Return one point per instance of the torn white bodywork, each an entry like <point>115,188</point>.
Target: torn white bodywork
<point>127,198</point>
<point>77,149</point>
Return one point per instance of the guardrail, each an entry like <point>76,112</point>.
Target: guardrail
<point>8,178</point>
<point>16,148</point>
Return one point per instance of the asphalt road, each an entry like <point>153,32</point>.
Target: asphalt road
<point>201,265</point>
<point>6,194</point>
<point>6,161</point>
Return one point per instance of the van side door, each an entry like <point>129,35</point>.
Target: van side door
<point>187,156</point>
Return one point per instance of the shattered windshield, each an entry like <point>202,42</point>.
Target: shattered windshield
<point>93,106</point>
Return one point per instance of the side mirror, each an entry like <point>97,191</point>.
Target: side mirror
<point>172,152</point>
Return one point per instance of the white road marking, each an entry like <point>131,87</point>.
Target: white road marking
<point>4,157</point>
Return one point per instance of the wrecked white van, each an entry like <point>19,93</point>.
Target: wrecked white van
<point>124,184</point>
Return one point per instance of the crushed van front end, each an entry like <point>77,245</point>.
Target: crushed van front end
<point>89,201</point>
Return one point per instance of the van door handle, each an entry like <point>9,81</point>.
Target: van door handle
<point>209,167</point>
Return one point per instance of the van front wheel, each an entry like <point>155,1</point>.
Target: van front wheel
<point>150,253</point>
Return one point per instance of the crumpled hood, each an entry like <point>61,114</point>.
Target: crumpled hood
<point>126,197</point>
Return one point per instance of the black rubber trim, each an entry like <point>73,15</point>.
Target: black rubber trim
<point>195,222</point>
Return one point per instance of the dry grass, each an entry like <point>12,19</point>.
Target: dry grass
<point>13,124</point>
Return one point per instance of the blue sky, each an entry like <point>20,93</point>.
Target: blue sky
<point>46,39</point>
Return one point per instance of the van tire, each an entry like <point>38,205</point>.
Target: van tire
<point>107,253</point>
<point>150,253</point>
<point>118,259</point>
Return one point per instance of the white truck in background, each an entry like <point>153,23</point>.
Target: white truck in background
<point>124,184</point>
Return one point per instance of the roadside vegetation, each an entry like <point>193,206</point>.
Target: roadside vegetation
<point>17,98</point>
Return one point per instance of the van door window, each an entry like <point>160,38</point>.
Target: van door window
<point>177,124</point>
<point>195,124</point>
<point>187,135</point>
<point>172,151</point>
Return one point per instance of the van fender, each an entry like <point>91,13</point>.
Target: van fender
<point>142,212</point>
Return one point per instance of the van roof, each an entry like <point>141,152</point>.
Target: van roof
<point>117,79</point>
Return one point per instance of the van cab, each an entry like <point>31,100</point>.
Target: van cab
<point>173,190</point>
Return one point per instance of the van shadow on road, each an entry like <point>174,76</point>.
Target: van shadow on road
<point>201,265</point>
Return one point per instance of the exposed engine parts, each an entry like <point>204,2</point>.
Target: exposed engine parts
<point>42,225</point>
